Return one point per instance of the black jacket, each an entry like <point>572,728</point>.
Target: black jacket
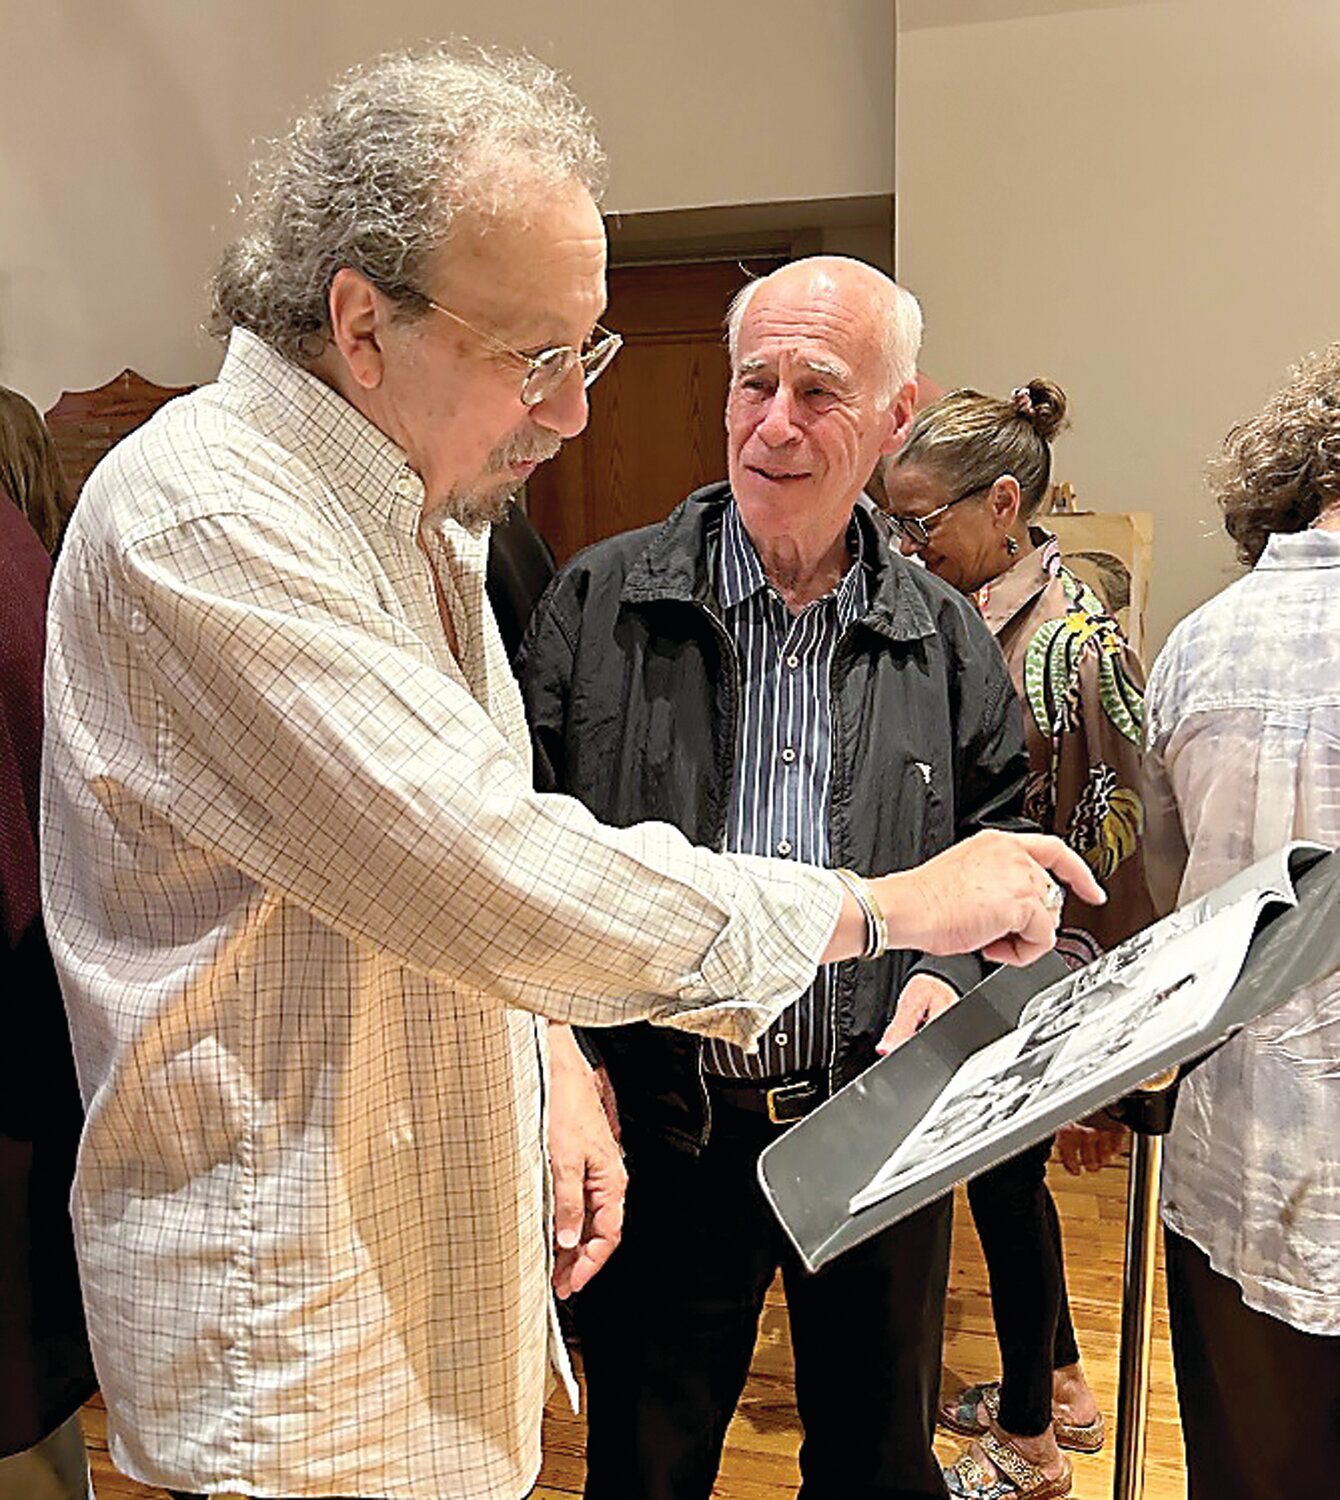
<point>631,686</point>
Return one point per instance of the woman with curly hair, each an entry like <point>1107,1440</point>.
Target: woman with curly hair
<point>1243,736</point>
<point>962,493</point>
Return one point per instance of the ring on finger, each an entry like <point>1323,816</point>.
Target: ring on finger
<point>1054,899</point>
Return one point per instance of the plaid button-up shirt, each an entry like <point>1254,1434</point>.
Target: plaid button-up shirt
<point>1243,755</point>
<point>305,904</point>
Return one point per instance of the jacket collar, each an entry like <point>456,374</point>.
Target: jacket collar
<point>679,564</point>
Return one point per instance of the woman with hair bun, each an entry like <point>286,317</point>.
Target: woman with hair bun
<point>962,494</point>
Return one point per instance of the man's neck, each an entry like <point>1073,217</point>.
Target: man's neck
<point>803,569</point>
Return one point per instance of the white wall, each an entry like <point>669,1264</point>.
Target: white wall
<point>128,126</point>
<point>1138,199</point>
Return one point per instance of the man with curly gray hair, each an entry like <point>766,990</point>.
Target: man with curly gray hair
<point>307,910</point>
<point>474,176</point>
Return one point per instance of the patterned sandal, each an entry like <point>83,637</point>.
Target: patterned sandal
<point>1015,1475</point>
<point>1079,1438</point>
<point>1085,1438</point>
<point>960,1415</point>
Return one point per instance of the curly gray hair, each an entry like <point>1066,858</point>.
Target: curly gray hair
<point>376,173</point>
<point>1281,469</point>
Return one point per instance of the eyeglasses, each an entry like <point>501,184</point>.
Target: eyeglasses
<point>915,529</point>
<point>546,371</point>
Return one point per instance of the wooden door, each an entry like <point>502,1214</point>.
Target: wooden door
<point>657,414</point>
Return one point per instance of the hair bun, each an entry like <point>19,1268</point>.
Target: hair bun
<point>1042,404</point>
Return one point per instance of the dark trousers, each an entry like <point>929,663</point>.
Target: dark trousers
<point>1017,1224</point>
<point>668,1329</point>
<point>1259,1399</point>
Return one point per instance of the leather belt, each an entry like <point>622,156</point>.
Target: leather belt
<point>783,1100</point>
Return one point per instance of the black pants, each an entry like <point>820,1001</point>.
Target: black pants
<point>1260,1399</point>
<point>1016,1222</point>
<point>668,1329</point>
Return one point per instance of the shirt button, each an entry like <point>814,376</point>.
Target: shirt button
<point>781,1039</point>
<point>788,755</point>
<point>783,847</point>
<point>793,662</point>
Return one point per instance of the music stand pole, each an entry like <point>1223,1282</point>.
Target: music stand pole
<point>1149,1114</point>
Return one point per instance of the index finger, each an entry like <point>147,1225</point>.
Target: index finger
<point>1065,865</point>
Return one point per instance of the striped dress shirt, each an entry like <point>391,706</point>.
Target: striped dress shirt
<point>779,798</point>
<point>305,905</point>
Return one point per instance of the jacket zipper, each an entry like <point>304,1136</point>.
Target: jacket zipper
<point>720,842</point>
<point>832,851</point>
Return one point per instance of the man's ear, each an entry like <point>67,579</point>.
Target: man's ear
<point>358,314</point>
<point>900,416</point>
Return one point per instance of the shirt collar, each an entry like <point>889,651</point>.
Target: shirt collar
<point>324,430</point>
<point>1016,588</point>
<point>1301,549</point>
<point>740,572</point>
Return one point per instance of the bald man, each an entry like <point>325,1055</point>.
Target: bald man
<point>762,671</point>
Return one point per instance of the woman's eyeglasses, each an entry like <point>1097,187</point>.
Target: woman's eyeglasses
<point>915,528</point>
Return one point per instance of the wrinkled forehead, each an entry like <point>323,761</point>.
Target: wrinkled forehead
<point>811,324</point>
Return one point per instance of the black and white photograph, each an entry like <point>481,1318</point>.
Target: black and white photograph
<point>1159,986</point>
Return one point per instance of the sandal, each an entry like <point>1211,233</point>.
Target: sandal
<point>1015,1475</point>
<point>1086,1437</point>
<point>960,1415</point>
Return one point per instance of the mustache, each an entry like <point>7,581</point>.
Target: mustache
<point>525,450</point>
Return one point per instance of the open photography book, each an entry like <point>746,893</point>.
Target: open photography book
<point>1031,1049</point>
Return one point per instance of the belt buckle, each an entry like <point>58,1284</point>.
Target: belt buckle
<point>787,1094</point>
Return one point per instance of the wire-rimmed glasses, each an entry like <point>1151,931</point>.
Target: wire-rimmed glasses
<point>546,371</point>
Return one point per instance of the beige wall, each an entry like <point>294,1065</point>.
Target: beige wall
<point>128,127</point>
<point>1138,199</point>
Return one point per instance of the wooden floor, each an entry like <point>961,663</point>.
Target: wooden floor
<point>760,1459</point>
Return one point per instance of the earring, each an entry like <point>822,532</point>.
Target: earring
<point>1011,546</point>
